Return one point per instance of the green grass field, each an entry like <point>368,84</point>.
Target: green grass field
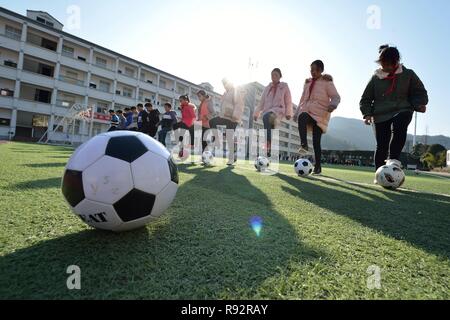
<point>319,236</point>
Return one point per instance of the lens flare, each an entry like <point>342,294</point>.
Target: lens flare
<point>256,223</point>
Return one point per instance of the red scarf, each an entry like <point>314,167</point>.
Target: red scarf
<point>393,77</point>
<point>275,88</point>
<point>311,87</point>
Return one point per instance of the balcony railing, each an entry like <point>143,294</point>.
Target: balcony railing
<point>70,80</point>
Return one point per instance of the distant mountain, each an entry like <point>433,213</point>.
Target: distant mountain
<point>353,134</point>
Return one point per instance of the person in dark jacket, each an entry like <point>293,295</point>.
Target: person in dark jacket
<point>114,121</point>
<point>142,114</point>
<point>122,120</point>
<point>153,119</point>
<point>393,94</point>
<point>169,119</point>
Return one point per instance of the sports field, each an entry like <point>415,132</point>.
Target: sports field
<point>319,237</point>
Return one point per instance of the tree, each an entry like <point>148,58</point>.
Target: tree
<point>435,149</point>
<point>429,160</point>
<point>441,159</point>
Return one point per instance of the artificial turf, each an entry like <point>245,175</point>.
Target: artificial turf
<point>319,236</point>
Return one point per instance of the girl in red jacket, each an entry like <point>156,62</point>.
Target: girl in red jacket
<point>188,116</point>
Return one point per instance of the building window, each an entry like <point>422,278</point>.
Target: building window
<point>127,92</point>
<point>42,96</point>
<point>68,51</point>
<point>6,93</point>
<point>41,20</point>
<point>101,107</point>
<point>100,62</point>
<point>13,33</point>
<point>5,122</point>
<point>129,72</point>
<point>104,86</point>
<point>92,85</point>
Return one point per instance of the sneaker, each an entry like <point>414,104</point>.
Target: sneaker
<point>394,163</point>
<point>303,151</point>
<point>317,172</point>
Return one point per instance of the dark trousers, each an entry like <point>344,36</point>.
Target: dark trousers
<point>182,125</point>
<point>152,131</point>
<point>269,120</point>
<point>303,121</point>
<point>230,125</point>
<point>391,137</point>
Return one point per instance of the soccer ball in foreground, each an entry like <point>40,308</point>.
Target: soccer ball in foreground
<point>390,176</point>
<point>120,181</point>
<point>261,164</point>
<point>207,158</point>
<point>303,167</point>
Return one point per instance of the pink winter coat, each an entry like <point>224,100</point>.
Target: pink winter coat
<point>280,104</point>
<point>323,95</point>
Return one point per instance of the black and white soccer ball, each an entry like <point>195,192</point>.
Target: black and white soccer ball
<point>120,181</point>
<point>262,164</point>
<point>303,167</point>
<point>207,158</point>
<point>390,176</point>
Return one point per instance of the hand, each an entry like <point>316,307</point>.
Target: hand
<point>255,118</point>
<point>368,120</point>
<point>331,108</point>
<point>288,118</point>
<point>422,109</point>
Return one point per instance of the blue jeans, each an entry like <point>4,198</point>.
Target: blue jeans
<point>163,134</point>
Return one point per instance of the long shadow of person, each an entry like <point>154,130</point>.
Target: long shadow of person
<point>203,248</point>
<point>422,220</point>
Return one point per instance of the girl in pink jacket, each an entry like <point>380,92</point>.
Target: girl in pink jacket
<point>319,99</point>
<point>276,103</point>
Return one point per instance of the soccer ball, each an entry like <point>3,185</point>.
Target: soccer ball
<point>303,167</point>
<point>390,176</point>
<point>120,181</point>
<point>261,164</point>
<point>207,158</point>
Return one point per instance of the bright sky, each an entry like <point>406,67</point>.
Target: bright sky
<point>205,41</point>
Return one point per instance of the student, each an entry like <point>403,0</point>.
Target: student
<point>230,114</point>
<point>393,94</point>
<point>276,104</point>
<point>169,119</point>
<point>142,117</point>
<point>132,119</point>
<point>122,120</point>
<point>205,112</point>
<point>153,119</point>
<point>187,119</point>
<point>319,99</point>
<point>114,121</point>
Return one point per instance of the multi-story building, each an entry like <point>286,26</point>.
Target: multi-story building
<point>44,71</point>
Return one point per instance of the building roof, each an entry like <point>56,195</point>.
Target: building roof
<point>45,12</point>
<point>91,44</point>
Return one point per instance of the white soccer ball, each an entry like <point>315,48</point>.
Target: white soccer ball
<point>303,167</point>
<point>390,176</point>
<point>262,164</point>
<point>120,181</point>
<point>207,158</point>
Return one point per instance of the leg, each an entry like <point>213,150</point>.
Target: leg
<point>317,137</point>
<point>269,125</point>
<point>399,134</point>
<point>383,133</point>
<point>303,120</point>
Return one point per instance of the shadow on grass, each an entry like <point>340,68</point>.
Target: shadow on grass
<point>37,184</point>
<point>45,165</point>
<point>203,249</point>
<point>422,220</point>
